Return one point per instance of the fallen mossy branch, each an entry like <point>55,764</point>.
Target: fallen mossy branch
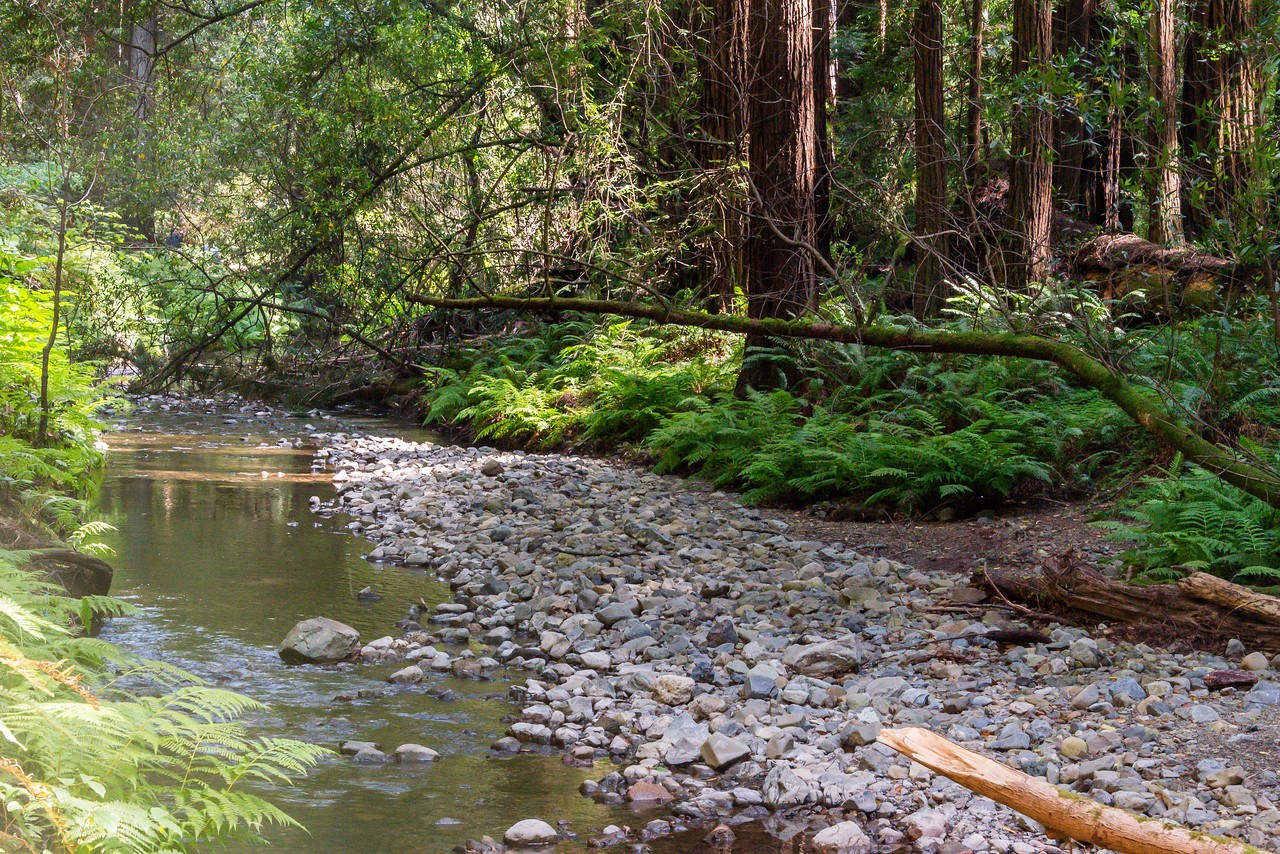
<point>1134,400</point>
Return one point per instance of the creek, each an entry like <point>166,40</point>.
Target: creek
<point>219,553</point>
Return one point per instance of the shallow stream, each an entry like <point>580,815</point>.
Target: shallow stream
<point>218,550</point>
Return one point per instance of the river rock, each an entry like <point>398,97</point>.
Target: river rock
<point>407,753</point>
<point>1219,679</point>
<point>371,756</point>
<point>319,640</point>
<point>531,831</point>
<point>407,675</point>
<point>672,689</point>
<point>1255,661</point>
<point>782,788</point>
<point>720,751</point>
<point>847,837</point>
<point>824,660</point>
<point>645,792</point>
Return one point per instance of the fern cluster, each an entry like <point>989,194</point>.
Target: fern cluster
<point>576,382</point>
<point>101,751</point>
<point>901,429</point>
<point>765,446</point>
<point>1191,520</point>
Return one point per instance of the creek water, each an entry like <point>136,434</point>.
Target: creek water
<point>218,551</point>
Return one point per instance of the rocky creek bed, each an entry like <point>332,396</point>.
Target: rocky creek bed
<point>732,672</point>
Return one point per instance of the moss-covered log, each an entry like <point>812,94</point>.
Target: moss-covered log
<point>1139,403</point>
<point>1157,280</point>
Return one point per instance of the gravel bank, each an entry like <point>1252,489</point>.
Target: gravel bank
<point>733,672</point>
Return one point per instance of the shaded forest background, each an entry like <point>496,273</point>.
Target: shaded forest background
<point>925,258</point>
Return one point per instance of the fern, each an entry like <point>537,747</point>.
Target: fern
<point>1191,519</point>
<point>88,766</point>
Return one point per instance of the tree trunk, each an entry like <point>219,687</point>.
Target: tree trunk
<point>1031,176</point>
<point>143,37</point>
<point>723,111</point>
<point>931,162</point>
<point>1164,213</point>
<point>823,96</point>
<point>1221,113</point>
<point>973,150</point>
<point>1200,609</point>
<point>1073,34</point>
<point>1136,401</point>
<point>783,164</point>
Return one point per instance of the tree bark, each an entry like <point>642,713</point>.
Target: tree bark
<point>719,263</point>
<point>1164,212</point>
<point>1031,176</point>
<point>824,92</point>
<point>1134,400</point>
<point>143,39</point>
<point>1073,35</point>
<point>931,163</point>
<point>973,149</point>
<point>1221,113</point>
<point>783,164</point>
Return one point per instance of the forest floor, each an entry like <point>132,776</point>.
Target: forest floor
<point>1011,536</point>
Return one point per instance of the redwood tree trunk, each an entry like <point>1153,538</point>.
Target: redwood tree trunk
<point>973,152</point>
<point>824,21</point>
<point>783,165</point>
<point>931,164</point>
<point>1221,112</point>
<point>1164,215</point>
<point>1074,166</point>
<point>723,111</point>
<point>1031,176</point>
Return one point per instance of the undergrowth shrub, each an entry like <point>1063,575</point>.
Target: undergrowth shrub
<point>1190,520</point>
<point>766,446</point>
<point>908,430</point>
<point>101,751</point>
<point>577,381</point>
<point>68,461</point>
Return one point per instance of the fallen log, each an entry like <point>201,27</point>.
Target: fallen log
<point>1136,401</point>
<point>1201,608</point>
<point>1064,813</point>
<point>1161,280</point>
